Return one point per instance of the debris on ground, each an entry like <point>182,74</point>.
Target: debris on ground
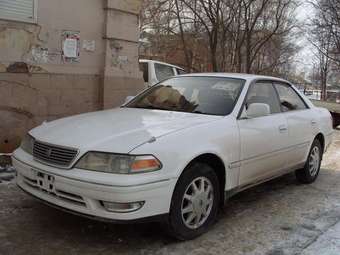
<point>7,171</point>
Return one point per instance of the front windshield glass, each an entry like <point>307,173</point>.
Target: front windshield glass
<point>203,95</point>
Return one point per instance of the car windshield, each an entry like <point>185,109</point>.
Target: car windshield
<point>202,95</point>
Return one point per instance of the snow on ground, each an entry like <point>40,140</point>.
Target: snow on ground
<point>281,217</point>
<point>327,244</point>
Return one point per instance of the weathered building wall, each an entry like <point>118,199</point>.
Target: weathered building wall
<point>121,75</point>
<point>37,84</point>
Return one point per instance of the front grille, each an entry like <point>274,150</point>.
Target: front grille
<point>53,154</point>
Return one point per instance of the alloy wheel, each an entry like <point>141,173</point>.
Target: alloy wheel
<point>314,161</point>
<point>197,202</point>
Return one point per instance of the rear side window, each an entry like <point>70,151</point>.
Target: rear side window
<point>289,99</point>
<point>144,67</point>
<point>263,92</point>
<point>163,71</point>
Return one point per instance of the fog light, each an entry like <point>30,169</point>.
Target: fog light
<point>122,207</point>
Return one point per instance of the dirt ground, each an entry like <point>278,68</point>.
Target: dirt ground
<point>277,218</point>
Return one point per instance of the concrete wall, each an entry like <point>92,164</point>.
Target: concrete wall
<point>121,33</point>
<point>37,84</point>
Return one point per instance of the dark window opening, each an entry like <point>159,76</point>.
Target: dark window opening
<point>143,67</point>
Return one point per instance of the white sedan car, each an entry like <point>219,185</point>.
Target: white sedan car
<point>177,151</point>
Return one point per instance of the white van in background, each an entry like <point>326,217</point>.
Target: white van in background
<point>155,71</point>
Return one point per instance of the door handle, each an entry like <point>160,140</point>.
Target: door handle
<point>313,122</point>
<point>283,128</point>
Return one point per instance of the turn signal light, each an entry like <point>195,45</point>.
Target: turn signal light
<point>145,164</point>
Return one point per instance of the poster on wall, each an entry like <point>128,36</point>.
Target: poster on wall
<point>71,46</point>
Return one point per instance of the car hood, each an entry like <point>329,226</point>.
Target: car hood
<point>117,130</point>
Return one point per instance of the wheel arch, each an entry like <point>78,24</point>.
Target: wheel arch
<point>217,164</point>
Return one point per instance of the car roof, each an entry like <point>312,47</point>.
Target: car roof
<point>235,76</point>
<point>159,62</point>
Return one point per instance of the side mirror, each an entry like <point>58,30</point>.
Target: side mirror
<point>257,110</point>
<point>128,99</point>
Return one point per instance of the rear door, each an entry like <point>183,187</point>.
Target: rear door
<point>301,124</point>
<point>263,139</point>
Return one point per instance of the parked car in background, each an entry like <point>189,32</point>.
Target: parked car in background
<point>177,151</point>
<point>333,108</point>
<point>155,71</point>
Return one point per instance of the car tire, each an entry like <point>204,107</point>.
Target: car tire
<point>197,194</point>
<point>311,170</point>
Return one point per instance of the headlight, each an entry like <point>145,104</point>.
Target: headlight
<point>118,164</point>
<point>27,144</point>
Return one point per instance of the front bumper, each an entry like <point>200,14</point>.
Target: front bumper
<point>84,198</point>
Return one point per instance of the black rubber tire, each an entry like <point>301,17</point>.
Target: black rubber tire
<point>303,175</point>
<point>175,225</point>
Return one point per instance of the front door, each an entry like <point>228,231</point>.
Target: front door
<point>263,139</point>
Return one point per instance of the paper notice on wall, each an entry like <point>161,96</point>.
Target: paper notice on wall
<point>89,45</point>
<point>39,55</point>
<point>70,48</point>
<point>123,58</point>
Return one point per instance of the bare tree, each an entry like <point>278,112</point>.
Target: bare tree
<point>223,35</point>
<point>325,37</point>
<point>327,20</point>
<point>207,13</point>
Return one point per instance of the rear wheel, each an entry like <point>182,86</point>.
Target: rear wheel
<point>195,202</point>
<point>311,170</point>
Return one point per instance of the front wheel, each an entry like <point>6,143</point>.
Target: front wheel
<point>311,170</point>
<point>195,202</point>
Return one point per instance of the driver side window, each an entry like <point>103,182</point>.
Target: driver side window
<point>264,93</point>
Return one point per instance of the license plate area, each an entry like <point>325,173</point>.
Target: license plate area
<point>45,182</point>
